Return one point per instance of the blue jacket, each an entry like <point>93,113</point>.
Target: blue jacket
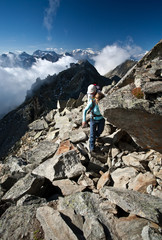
<point>95,112</point>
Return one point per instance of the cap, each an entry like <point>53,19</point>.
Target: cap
<point>91,88</point>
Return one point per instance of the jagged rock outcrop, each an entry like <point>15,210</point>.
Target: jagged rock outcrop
<point>136,105</point>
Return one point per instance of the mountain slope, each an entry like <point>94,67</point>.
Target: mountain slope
<point>119,72</point>
<point>135,102</point>
<point>43,97</point>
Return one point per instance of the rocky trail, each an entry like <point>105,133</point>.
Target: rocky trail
<point>51,187</point>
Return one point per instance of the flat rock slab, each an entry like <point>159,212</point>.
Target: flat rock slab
<point>54,226</point>
<point>30,184</point>
<point>65,165</point>
<point>143,205</point>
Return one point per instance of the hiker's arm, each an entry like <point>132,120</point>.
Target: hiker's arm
<point>84,124</point>
<point>89,105</point>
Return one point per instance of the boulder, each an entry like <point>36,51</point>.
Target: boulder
<point>150,233</point>
<point>143,205</point>
<point>131,227</point>
<point>156,165</point>
<point>18,222</point>
<point>88,205</point>
<point>122,176</point>
<point>136,160</point>
<point>66,165</point>
<point>30,184</point>
<point>142,181</point>
<point>104,180</point>
<point>78,136</point>
<point>53,224</point>
<point>38,125</point>
<point>93,229</point>
<point>40,153</point>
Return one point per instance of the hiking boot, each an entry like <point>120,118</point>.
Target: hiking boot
<point>98,140</point>
<point>92,153</point>
<point>82,149</point>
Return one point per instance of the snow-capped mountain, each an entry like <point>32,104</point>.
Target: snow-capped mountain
<point>25,60</point>
<point>87,54</point>
<point>48,55</point>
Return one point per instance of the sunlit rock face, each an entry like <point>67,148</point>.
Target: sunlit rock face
<point>135,103</point>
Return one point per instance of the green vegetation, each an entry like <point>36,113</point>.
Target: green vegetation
<point>36,235</point>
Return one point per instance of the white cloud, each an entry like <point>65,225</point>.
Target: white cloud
<point>49,13</point>
<point>113,55</point>
<point>14,82</point>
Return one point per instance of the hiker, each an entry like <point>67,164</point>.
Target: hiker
<point>91,91</point>
<point>97,122</point>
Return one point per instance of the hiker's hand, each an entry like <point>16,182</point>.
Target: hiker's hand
<point>84,124</point>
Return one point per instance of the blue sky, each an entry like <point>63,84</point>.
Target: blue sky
<point>28,25</point>
<point>120,29</point>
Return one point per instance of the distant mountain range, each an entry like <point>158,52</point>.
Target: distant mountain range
<point>25,60</point>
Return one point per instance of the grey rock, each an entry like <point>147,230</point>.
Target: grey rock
<point>139,121</point>
<point>114,137</point>
<point>87,204</point>
<point>53,224</point>
<point>83,203</point>
<point>93,229</point>
<point>143,205</point>
<point>156,165</point>
<point>38,125</point>
<point>70,103</point>
<point>79,101</point>
<point>11,172</point>
<point>135,160</point>
<point>50,116</point>
<point>152,87</point>
<point>157,192</point>
<point>78,136</point>
<point>40,153</point>
<point>75,221</point>
<point>130,227</point>
<point>149,233</point>
<point>122,176</point>
<point>86,181</point>
<point>144,123</point>
<point>18,222</point>
<point>28,185</point>
<point>30,200</point>
<point>66,165</point>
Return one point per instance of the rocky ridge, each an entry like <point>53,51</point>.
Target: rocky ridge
<point>42,97</point>
<point>51,184</point>
<point>135,103</point>
<point>120,71</point>
<point>52,188</point>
